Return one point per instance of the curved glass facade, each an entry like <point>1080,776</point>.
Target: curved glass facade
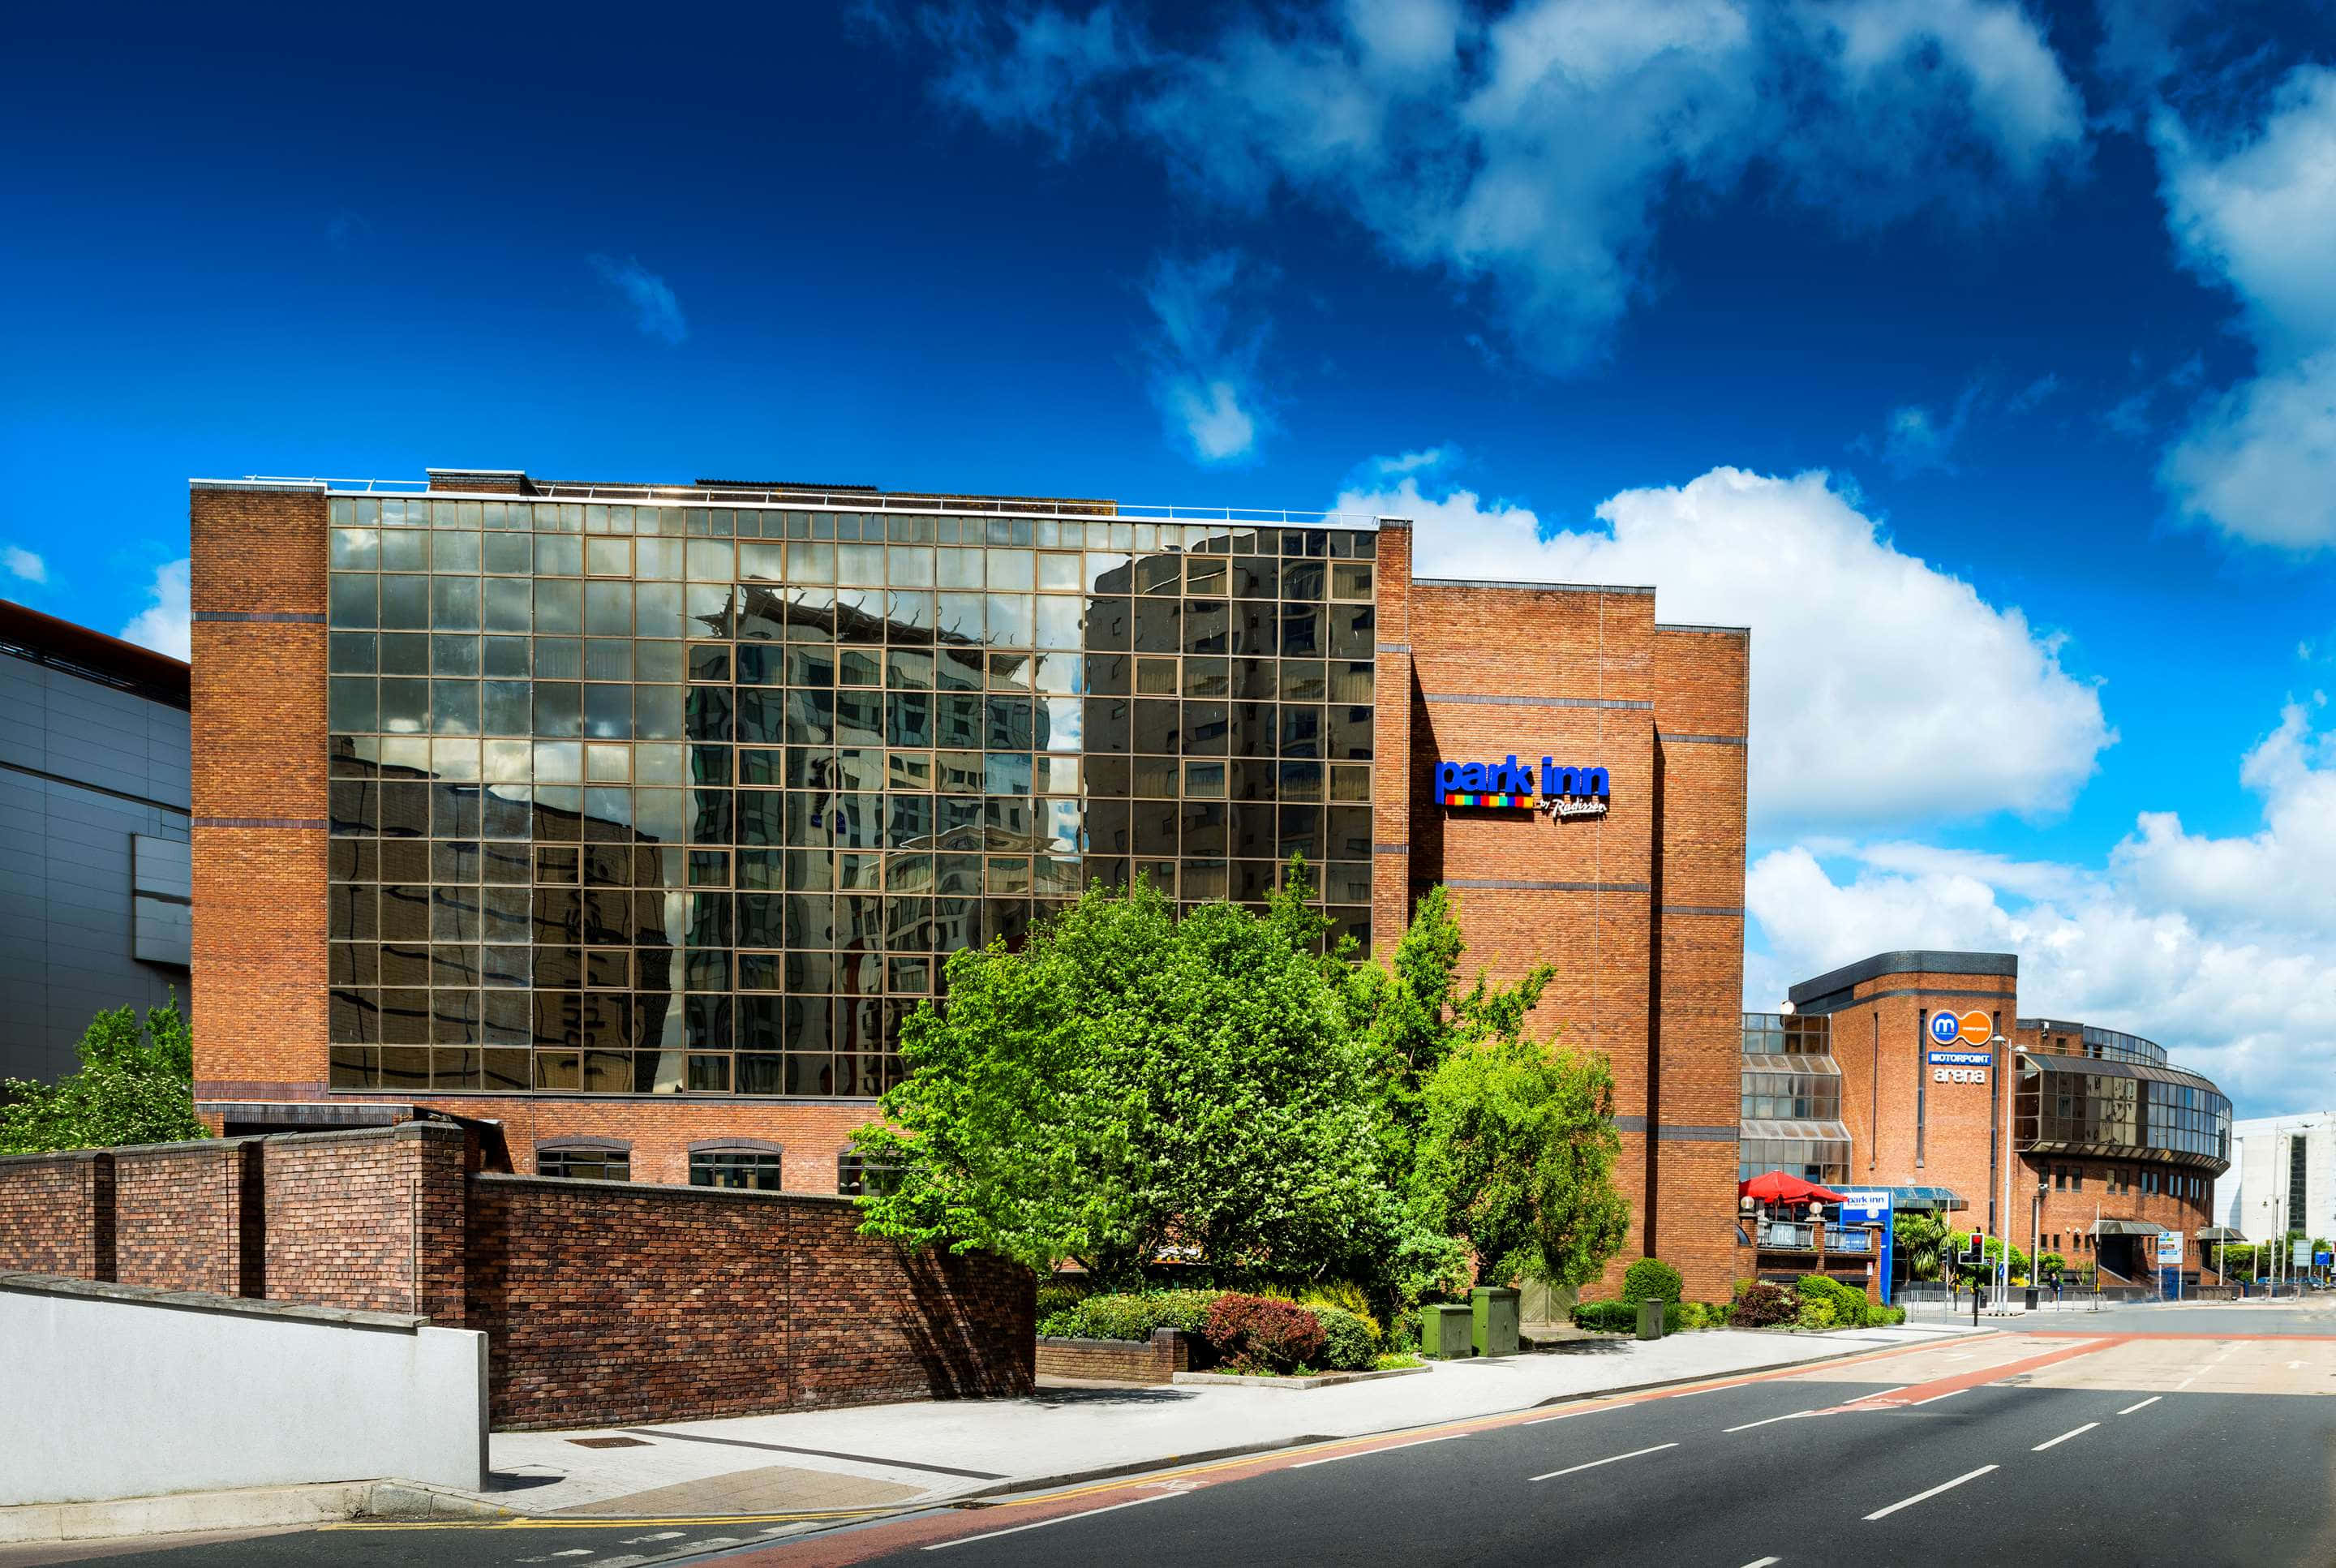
<point>2092,1040</point>
<point>2081,1106</point>
<point>633,799</point>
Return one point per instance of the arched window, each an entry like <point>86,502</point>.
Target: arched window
<point>747,1163</point>
<point>585,1159</point>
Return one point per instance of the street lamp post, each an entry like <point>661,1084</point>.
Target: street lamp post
<point>2003,1261</point>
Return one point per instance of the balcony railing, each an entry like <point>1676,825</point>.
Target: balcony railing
<point>1786,1236</point>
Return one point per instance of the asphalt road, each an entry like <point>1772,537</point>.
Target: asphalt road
<point>2196,1436</point>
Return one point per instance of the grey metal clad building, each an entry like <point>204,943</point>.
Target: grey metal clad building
<point>96,880</point>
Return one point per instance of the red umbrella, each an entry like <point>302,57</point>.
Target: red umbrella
<point>1776,1187</point>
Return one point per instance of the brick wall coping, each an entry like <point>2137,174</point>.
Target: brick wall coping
<point>445,1131</point>
<point>82,1156</point>
<point>151,1151</point>
<point>1068,1342</point>
<point>1534,587</point>
<point>192,1301</point>
<point>665,1188</point>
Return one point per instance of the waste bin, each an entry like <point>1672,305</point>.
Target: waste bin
<point>1651,1320</point>
<point>1493,1315</point>
<point>1444,1332</point>
<point>2029,1299</point>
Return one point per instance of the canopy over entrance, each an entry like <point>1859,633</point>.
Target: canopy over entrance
<point>1777,1187</point>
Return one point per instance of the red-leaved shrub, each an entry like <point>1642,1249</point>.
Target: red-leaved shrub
<point>1260,1334</point>
<point>1764,1306</point>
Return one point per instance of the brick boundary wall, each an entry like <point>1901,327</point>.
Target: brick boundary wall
<point>1155,1360</point>
<point>56,1214</point>
<point>184,1217</point>
<point>371,1220</point>
<point>610,1301</point>
<point>603,1301</point>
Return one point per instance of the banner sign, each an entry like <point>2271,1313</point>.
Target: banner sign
<point>1866,1207</point>
<point>2169,1249</point>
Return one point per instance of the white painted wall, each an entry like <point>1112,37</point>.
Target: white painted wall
<point>112,1391</point>
<point>2259,1171</point>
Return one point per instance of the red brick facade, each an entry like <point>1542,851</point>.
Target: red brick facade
<point>369,1219</point>
<point>1641,911</point>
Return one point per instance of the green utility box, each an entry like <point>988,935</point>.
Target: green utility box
<point>1493,1315</point>
<point>1443,1333</point>
<point>1651,1320</point>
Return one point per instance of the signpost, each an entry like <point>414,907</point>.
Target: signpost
<point>2169,1262</point>
<point>1871,1206</point>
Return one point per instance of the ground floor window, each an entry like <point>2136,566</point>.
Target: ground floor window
<point>585,1163</point>
<point>854,1176</point>
<point>751,1168</point>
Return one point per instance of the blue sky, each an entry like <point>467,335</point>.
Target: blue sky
<point>1982,357</point>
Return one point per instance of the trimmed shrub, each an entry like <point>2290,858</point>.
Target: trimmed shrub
<point>1257,1334</point>
<point>1349,1343</point>
<point>1847,1304</point>
<point>1683,1317</point>
<point>1131,1316</point>
<point>1606,1317</point>
<point>1816,1312</point>
<point>1764,1306</point>
<point>1651,1280</point>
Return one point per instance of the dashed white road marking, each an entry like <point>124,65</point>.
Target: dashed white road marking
<point>1593,1463</point>
<point>2153,1399</point>
<point>1770,1421</point>
<point>1919,1496</point>
<point>1936,1398</point>
<point>1762,1561</point>
<point>2064,1438</point>
<point>1391,1449</point>
<point>1042,1524</point>
<point>660,1536</point>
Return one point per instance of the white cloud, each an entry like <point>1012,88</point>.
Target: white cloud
<point>1202,369</point>
<point>2259,460</point>
<point>1528,153</point>
<point>656,311</point>
<point>162,624</point>
<point>1884,691</point>
<point>2221,948</point>
<point>23,564</point>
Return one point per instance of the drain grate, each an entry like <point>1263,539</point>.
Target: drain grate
<point>610,1443</point>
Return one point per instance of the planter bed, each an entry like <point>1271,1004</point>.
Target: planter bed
<point>1314,1380</point>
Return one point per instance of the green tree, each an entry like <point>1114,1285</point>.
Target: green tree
<point>1516,1157</point>
<point>1129,1082</point>
<point>135,1086</point>
<point>1922,1239</point>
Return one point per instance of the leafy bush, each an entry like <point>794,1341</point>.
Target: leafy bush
<point>1850,1307</point>
<point>1884,1317</point>
<point>1606,1317</point>
<point>1132,1316</point>
<point>1059,1296</point>
<point>1259,1334</point>
<point>1395,1359</point>
<point>1762,1305</point>
<point>1350,1343</point>
<point>1816,1312</point>
<point>1345,1295</point>
<point>1682,1317</point>
<point>1651,1280</point>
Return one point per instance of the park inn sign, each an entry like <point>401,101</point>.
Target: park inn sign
<point>1562,792</point>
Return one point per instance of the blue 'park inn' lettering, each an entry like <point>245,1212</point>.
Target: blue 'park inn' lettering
<point>1513,777</point>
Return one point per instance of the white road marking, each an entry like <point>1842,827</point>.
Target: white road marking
<point>1042,1524</point>
<point>2153,1399</point>
<point>1771,1421</point>
<point>1359,1452</point>
<point>1617,1459</point>
<point>1567,1416</point>
<point>1884,1394</point>
<point>1919,1496</point>
<point>1691,1393</point>
<point>660,1536</point>
<point>1936,1398</point>
<point>1762,1561</point>
<point>2064,1438</point>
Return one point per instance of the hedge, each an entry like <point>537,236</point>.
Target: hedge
<point>1130,1316</point>
<point>1651,1280</point>
<point>1261,1334</point>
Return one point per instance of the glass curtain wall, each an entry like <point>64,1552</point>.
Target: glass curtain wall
<point>656,800</point>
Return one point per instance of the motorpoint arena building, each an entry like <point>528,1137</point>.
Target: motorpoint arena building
<point>634,818</point>
<point>1886,1073</point>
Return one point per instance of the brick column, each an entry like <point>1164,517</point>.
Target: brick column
<point>1392,855</point>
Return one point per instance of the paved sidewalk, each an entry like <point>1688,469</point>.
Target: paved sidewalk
<point>883,1455</point>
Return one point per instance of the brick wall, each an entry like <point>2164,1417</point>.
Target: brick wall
<point>260,788</point>
<point>1155,1360</point>
<point>371,1220</point>
<point>810,1135</point>
<point>56,1214</point>
<point>187,1217</point>
<point>608,1301</point>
